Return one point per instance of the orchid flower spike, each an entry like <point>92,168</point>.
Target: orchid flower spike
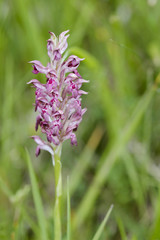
<point>58,101</point>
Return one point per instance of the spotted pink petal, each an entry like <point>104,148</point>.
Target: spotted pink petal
<point>37,65</point>
<point>43,145</point>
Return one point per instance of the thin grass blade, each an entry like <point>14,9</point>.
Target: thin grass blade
<point>68,212</point>
<point>37,199</point>
<point>121,229</point>
<point>102,225</point>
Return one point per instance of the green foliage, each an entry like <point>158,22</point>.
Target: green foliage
<point>37,199</point>
<point>102,225</point>
<point>117,158</point>
<point>68,212</point>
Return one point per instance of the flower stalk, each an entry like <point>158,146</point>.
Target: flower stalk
<point>58,193</point>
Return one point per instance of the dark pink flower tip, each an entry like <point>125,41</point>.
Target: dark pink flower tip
<point>38,151</point>
<point>35,71</point>
<point>76,73</point>
<point>38,120</point>
<point>52,34</point>
<point>57,54</point>
<point>73,139</point>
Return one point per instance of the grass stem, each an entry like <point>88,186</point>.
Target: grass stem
<point>58,194</point>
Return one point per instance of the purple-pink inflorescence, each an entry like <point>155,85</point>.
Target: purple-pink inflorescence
<point>58,101</point>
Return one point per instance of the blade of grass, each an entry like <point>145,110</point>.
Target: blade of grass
<point>110,156</point>
<point>118,55</point>
<point>134,238</point>
<point>37,199</point>
<point>68,212</point>
<point>155,233</point>
<point>148,119</point>
<point>83,20</point>
<point>135,182</point>
<point>6,111</point>
<point>31,27</point>
<point>102,225</point>
<point>30,221</point>
<point>121,229</point>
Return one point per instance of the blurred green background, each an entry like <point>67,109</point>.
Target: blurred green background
<point>117,158</point>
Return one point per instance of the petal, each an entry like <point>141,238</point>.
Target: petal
<point>72,136</point>
<point>84,110</point>
<point>38,140</point>
<point>81,80</point>
<point>82,92</point>
<point>47,148</point>
<point>63,41</point>
<point>61,36</point>
<point>73,139</point>
<point>37,84</point>
<point>39,67</point>
<point>43,145</point>
<point>72,63</point>
<point>52,34</point>
<point>32,81</point>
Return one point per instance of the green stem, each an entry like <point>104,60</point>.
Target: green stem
<point>58,193</point>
